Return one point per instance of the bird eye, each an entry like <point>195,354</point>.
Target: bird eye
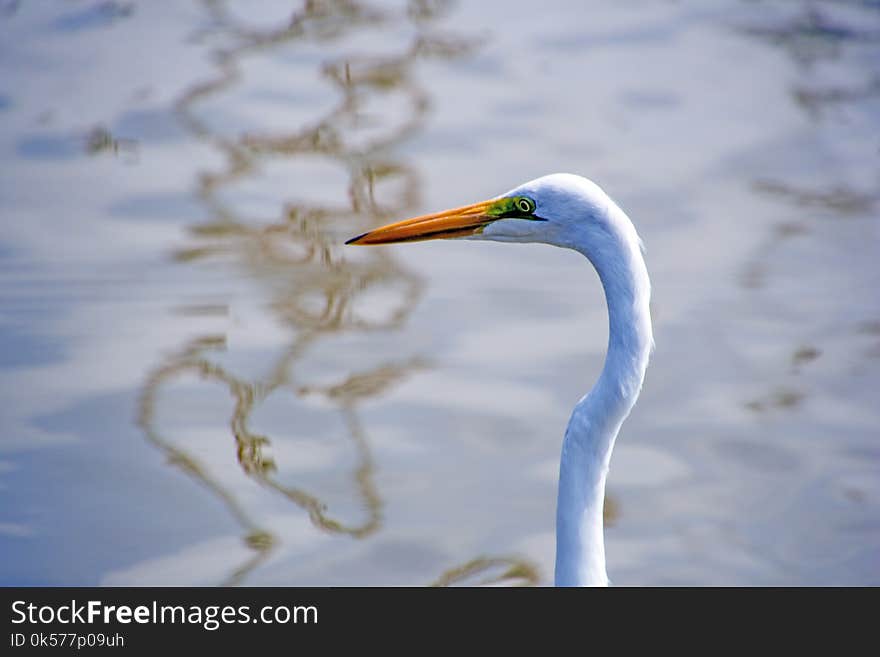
<point>525,205</point>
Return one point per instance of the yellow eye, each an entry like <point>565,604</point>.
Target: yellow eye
<point>525,205</point>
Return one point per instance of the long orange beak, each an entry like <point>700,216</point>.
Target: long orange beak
<point>460,222</point>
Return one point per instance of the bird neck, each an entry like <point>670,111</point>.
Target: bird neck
<point>597,418</point>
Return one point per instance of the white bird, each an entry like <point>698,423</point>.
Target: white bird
<point>569,211</point>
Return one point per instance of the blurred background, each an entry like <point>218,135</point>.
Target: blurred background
<point>201,385</point>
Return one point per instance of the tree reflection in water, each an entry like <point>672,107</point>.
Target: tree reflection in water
<point>303,243</point>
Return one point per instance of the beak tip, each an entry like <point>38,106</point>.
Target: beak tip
<point>354,240</point>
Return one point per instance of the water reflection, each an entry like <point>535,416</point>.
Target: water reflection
<point>814,34</point>
<point>100,15</point>
<point>491,572</point>
<point>9,7</point>
<point>294,388</point>
<point>840,201</point>
<point>100,140</point>
<point>315,291</point>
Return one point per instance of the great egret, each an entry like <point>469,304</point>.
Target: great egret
<point>569,211</point>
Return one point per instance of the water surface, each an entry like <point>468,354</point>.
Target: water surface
<point>201,385</point>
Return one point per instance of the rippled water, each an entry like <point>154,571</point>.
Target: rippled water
<point>201,385</point>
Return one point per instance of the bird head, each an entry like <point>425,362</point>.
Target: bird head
<point>560,209</point>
